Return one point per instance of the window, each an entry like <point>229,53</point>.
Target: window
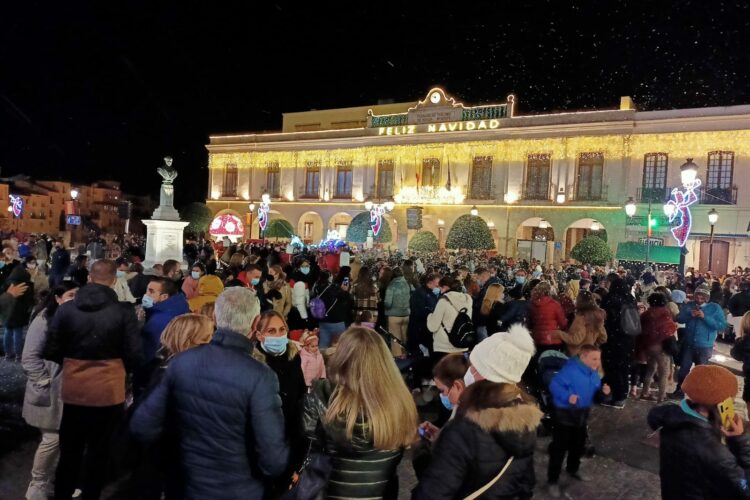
<point>589,179</point>
<point>481,178</point>
<point>430,173</point>
<point>537,177</point>
<point>385,179</point>
<point>342,229</point>
<point>654,187</point>
<point>719,187</point>
<point>307,234</point>
<point>273,179</point>
<point>312,179</point>
<point>344,179</point>
<point>230,181</point>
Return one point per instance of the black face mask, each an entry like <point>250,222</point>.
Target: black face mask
<point>270,278</point>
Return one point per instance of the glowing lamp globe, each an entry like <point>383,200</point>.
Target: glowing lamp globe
<point>713,217</point>
<point>390,205</point>
<point>630,207</point>
<point>368,204</point>
<point>688,172</point>
<point>669,209</point>
<point>474,211</point>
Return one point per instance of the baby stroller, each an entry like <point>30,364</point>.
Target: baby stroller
<point>405,365</point>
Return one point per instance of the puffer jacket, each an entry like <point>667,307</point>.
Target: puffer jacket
<point>440,321</point>
<point>19,316</point>
<point>227,421</point>
<point>471,450</point>
<point>657,326</point>
<point>694,464</point>
<point>546,316</point>
<point>95,339</point>
<point>209,288</point>
<point>358,469</point>
<point>397,297</point>
<point>587,328</point>
<point>702,332</point>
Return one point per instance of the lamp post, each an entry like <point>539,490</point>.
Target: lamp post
<point>630,209</point>
<point>474,211</point>
<point>251,206</point>
<point>713,217</point>
<point>74,196</point>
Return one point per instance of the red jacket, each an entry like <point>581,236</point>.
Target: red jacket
<point>657,326</point>
<point>546,316</point>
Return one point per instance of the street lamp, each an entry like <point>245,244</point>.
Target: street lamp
<point>368,204</point>
<point>543,224</point>
<point>251,206</point>
<point>669,209</point>
<point>713,218</point>
<point>474,211</point>
<point>390,205</point>
<point>74,194</point>
<point>688,172</point>
<point>630,207</point>
<point>595,226</point>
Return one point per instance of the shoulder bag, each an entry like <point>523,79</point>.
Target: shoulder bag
<point>489,485</point>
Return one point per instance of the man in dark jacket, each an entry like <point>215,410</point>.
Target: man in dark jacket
<point>60,264</point>
<point>422,303</point>
<point>618,351</point>
<point>95,339</point>
<point>223,407</point>
<point>162,302</point>
<point>739,304</point>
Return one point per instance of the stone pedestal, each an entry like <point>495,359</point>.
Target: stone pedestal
<point>163,240</point>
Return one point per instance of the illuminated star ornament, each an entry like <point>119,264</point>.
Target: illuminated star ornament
<point>16,203</point>
<point>680,207</point>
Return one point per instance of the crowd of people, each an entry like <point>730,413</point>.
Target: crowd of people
<point>265,367</point>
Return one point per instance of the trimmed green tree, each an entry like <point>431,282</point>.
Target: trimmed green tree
<point>198,215</point>
<point>279,228</point>
<point>470,232</point>
<point>359,227</point>
<point>592,250</point>
<point>424,241</point>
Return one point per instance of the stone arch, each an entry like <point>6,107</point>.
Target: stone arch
<point>580,229</point>
<point>310,227</point>
<point>340,221</point>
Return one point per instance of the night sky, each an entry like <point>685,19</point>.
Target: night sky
<point>103,91</point>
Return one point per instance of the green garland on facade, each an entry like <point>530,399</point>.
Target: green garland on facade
<point>470,232</point>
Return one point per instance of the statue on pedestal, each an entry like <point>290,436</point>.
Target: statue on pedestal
<point>166,210</point>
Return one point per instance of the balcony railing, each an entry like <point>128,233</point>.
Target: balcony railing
<point>481,193</point>
<point>594,195</point>
<point>718,196</point>
<point>652,194</point>
<point>536,194</point>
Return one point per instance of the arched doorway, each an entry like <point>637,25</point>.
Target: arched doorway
<point>340,222</point>
<point>310,227</point>
<point>719,256</point>
<point>581,229</point>
<point>535,239</point>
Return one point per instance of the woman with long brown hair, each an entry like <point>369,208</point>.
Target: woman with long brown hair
<point>363,422</point>
<point>588,325</point>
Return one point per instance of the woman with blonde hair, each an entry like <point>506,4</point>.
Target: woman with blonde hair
<point>282,301</point>
<point>362,422</point>
<point>186,331</point>
<point>568,299</point>
<point>491,308</point>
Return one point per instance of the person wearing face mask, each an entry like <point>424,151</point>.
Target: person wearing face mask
<point>422,303</point>
<point>253,278</point>
<point>278,290</point>
<point>274,349</point>
<point>121,287</point>
<point>38,278</point>
<point>7,264</point>
<point>96,340</point>
<point>162,302</point>
<point>494,428</point>
<point>42,402</point>
<point>190,284</point>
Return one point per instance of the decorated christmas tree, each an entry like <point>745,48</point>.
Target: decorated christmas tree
<point>470,232</point>
<point>592,250</point>
<point>359,227</point>
<point>424,241</point>
<point>279,228</point>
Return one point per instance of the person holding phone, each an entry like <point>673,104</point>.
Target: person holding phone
<point>694,463</point>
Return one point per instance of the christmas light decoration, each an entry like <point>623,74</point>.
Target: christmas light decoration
<point>680,207</point>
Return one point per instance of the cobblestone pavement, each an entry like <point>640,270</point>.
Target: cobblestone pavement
<point>625,465</point>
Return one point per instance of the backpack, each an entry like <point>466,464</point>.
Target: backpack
<point>462,334</point>
<point>630,320</point>
<point>318,308</point>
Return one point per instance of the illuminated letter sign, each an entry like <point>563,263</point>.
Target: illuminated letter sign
<point>680,202</point>
<point>16,203</point>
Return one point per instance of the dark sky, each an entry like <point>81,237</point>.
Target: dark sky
<point>105,90</point>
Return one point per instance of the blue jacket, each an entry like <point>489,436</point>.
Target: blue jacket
<point>701,332</point>
<point>575,378</point>
<point>157,318</point>
<point>224,411</point>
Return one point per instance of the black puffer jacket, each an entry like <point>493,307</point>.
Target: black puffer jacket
<point>471,450</point>
<point>359,470</point>
<point>694,463</point>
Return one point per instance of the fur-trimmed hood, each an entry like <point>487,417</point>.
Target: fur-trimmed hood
<point>518,418</point>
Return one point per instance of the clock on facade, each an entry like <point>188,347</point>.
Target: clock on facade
<point>435,97</point>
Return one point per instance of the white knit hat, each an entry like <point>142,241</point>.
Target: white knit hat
<point>503,357</point>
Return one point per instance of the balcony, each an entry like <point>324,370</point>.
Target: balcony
<point>718,196</point>
<point>535,193</point>
<point>652,194</point>
<point>590,195</point>
<point>481,193</point>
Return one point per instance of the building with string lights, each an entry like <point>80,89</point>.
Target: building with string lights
<point>541,182</point>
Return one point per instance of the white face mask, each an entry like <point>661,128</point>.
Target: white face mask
<point>469,378</point>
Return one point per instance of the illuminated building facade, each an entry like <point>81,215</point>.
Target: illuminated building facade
<point>541,182</point>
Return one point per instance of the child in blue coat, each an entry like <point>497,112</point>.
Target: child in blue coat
<point>573,390</point>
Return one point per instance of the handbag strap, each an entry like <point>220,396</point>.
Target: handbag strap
<point>489,485</point>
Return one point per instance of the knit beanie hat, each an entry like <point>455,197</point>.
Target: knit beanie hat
<point>709,385</point>
<point>678,296</point>
<point>503,357</point>
<point>703,290</point>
